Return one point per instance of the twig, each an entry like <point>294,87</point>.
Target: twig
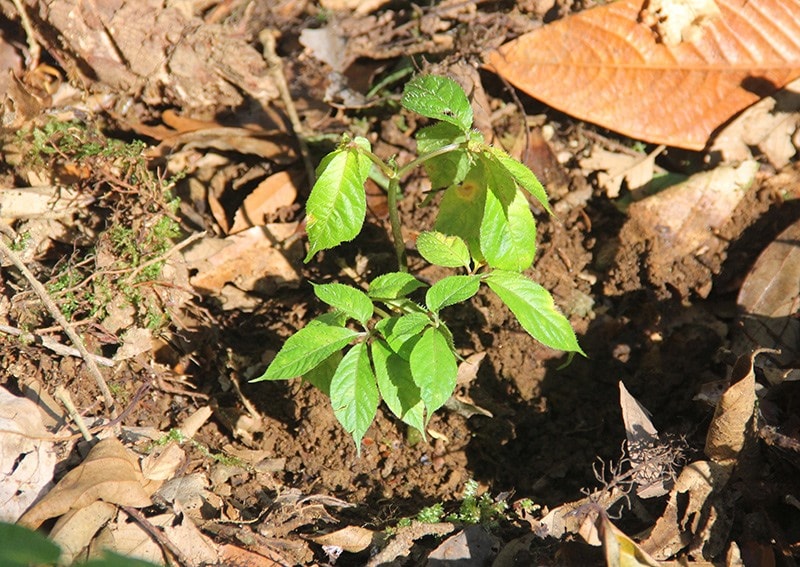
<point>55,312</point>
<point>267,39</point>
<point>33,46</point>
<point>63,395</point>
<point>155,533</point>
<point>53,345</point>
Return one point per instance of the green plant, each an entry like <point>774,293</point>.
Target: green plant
<point>402,351</point>
<point>21,547</point>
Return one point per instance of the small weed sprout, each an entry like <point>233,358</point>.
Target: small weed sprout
<point>381,344</point>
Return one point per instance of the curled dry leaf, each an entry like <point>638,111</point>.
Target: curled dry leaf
<point>605,66</point>
<point>733,424</point>
<point>109,473</point>
<point>618,548</point>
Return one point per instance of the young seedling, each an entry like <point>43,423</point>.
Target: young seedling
<point>380,344</point>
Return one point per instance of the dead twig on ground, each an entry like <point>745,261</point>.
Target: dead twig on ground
<point>33,46</point>
<point>55,312</point>
<point>53,345</point>
<point>267,39</point>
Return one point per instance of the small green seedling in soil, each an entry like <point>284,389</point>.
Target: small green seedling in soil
<point>380,344</point>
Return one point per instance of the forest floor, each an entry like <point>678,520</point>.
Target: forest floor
<point>151,255</point>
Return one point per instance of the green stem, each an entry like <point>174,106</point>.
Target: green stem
<point>410,166</point>
<point>394,218</point>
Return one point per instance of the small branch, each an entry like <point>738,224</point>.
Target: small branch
<point>53,345</point>
<point>56,313</point>
<point>33,46</point>
<point>267,39</point>
<point>394,219</point>
<point>63,395</point>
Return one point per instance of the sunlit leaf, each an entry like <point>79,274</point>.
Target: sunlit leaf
<point>349,300</point>
<point>451,290</point>
<point>434,369</point>
<point>448,168</point>
<point>440,98</point>
<point>354,393</point>
<point>522,175</point>
<point>337,205</point>
<point>393,285</point>
<point>396,386</point>
<point>442,249</point>
<point>307,348</point>
<point>535,310</point>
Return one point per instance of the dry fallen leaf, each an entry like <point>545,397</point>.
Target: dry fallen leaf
<point>276,191</point>
<point>248,261</point>
<point>605,66</point>
<point>75,530</point>
<point>473,545</point>
<point>109,473</point>
<point>770,298</point>
<point>733,424</point>
<point>693,509</point>
<point>26,463</point>
<point>353,539</point>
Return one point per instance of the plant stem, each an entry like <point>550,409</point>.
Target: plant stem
<point>394,219</point>
<point>410,166</point>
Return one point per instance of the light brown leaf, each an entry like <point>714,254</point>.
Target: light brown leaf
<point>604,66</point>
<point>353,539</point>
<point>276,191</point>
<point>110,473</point>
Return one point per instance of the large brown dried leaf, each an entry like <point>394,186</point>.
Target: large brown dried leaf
<point>604,66</point>
<point>110,473</point>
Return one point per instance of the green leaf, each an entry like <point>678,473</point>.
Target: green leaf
<point>440,98</point>
<point>434,369</point>
<point>347,299</point>
<point>321,375</point>
<point>524,176</point>
<point>535,309</point>
<point>307,348</point>
<point>508,230</point>
<point>445,250</point>
<point>337,205</point>
<point>20,547</point>
<point>461,210</point>
<point>354,393</point>
<point>398,390</point>
<point>111,559</point>
<point>448,168</point>
<point>451,290</point>
<point>399,332</point>
<point>393,285</point>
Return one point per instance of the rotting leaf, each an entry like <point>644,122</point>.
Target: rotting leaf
<point>582,65</point>
<point>770,297</point>
<point>109,473</point>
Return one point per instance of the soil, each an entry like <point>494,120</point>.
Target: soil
<point>662,328</point>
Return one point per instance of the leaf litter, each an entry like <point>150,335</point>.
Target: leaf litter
<point>233,490</point>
